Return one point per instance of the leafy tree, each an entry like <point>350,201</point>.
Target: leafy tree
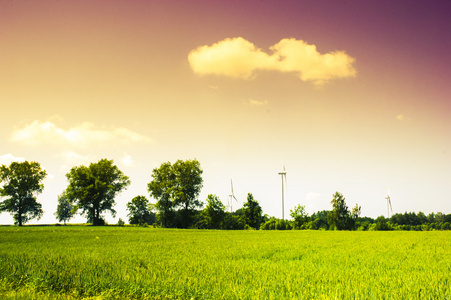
<point>340,217</point>
<point>447,218</point>
<point>140,211</point>
<point>320,219</point>
<point>92,189</point>
<point>214,213</point>
<point>234,222</point>
<point>422,219</point>
<point>439,217</point>
<point>22,181</point>
<point>64,208</point>
<point>299,215</point>
<point>269,224</point>
<point>356,211</point>
<point>252,212</point>
<point>382,223</point>
<point>176,186</point>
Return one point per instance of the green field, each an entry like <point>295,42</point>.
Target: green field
<point>73,262</point>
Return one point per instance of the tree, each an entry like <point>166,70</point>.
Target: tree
<point>92,189</point>
<point>299,215</point>
<point>252,212</point>
<point>22,181</point>
<point>356,211</point>
<point>140,211</point>
<point>176,186</point>
<point>214,213</point>
<point>64,208</point>
<point>382,223</point>
<point>340,217</point>
<point>234,221</point>
<point>320,219</point>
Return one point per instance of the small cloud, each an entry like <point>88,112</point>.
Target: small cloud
<point>312,197</point>
<point>401,117</point>
<point>254,102</point>
<point>7,159</point>
<point>127,160</point>
<point>239,58</point>
<point>49,177</point>
<point>72,159</point>
<point>214,87</point>
<point>83,135</point>
<point>314,202</point>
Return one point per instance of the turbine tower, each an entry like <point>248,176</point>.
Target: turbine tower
<point>389,205</point>
<point>283,175</point>
<point>232,196</point>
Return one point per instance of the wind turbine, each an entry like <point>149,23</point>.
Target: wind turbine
<point>232,196</point>
<point>388,204</point>
<point>283,174</point>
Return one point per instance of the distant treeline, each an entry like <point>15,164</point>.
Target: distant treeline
<point>214,216</point>
<point>406,221</point>
<point>175,187</point>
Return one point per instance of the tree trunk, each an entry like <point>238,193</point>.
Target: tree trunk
<point>19,213</point>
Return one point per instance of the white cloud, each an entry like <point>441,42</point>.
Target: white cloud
<point>7,159</point>
<point>239,58</point>
<point>312,197</point>
<point>72,158</point>
<point>127,160</point>
<point>85,134</point>
<point>401,117</point>
<point>254,102</point>
<point>314,202</point>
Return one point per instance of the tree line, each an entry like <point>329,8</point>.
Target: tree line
<point>91,191</point>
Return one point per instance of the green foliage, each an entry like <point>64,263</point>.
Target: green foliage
<point>22,181</point>
<point>413,219</point>
<point>382,224</point>
<point>320,219</point>
<point>299,215</point>
<point>140,211</point>
<point>234,221</point>
<point>82,262</point>
<point>176,186</point>
<point>252,212</point>
<point>93,189</point>
<point>340,217</point>
<point>120,222</point>
<point>214,213</point>
<point>64,208</point>
<point>276,224</point>
<point>356,211</point>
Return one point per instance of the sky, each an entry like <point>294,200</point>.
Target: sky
<point>348,96</point>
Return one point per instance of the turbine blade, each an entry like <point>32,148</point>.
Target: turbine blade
<point>286,183</point>
<point>389,202</point>
<point>231,185</point>
<point>233,195</point>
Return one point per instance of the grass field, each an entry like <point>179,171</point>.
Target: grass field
<point>72,262</point>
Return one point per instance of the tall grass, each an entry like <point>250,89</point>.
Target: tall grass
<point>145,263</point>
